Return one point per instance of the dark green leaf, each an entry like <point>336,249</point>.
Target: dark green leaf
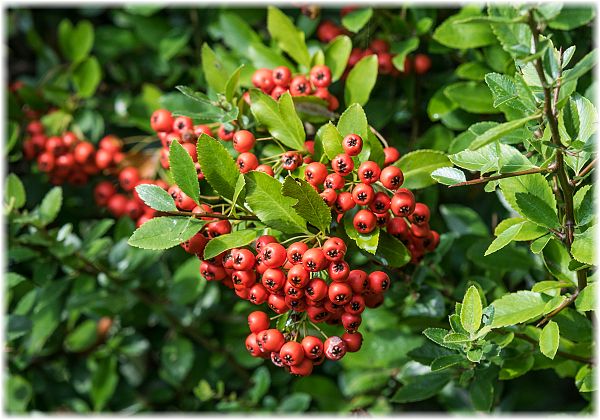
<point>165,232</point>
<point>391,251</point>
<point>217,165</point>
<point>402,50</point>
<point>310,206</point>
<point>184,171</point>
<point>421,387</point>
<point>417,167</point>
<point>536,210</point>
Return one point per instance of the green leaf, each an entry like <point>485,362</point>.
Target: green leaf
<point>472,70</point>
<point>463,220</point>
<point>417,167</point>
<point>357,19</point>
<point>165,232</point>
<point>261,379</point>
<point>402,49</point>
<point>174,43</point>
<point>481,389</point>
<point>586,301</point>
<point>289,39</point>
<point>231,240</point>
<point>337,53</point>
<point>448,175</point>
<point>81,338</point>
<point>353,121</point>
<point>51,205</point>
<point>213,69</point>
<point>232,83</point>
<point>421,387</point>
<point>366,241</point>
<point>471,310</point>
<point>310,205</point>
<point>75,41</point>
<point>13,135</point>
<point>505,92</point>
<point>18,393</point>
<point>218,167</point>
<point>437,336</point>
<point>583,202</point>
<point>536,210</point>
<point>557,259</point>
<point>263,195</point>
<point>156,197</point>
<point>86,76</point>
<point>294,403</point>
<point>361,80</point>
<point>391,251</point>
<point>572,17</point>
<point>177,359</point>
<point>582,67</point>
<point>184,171</point>
<point>14,191</point>
<point>104,381</point>
<point>471,96</point>
<point>330,139</point>
<point>585,380</point>
<point>583,246</point>
<point>499,131</point>
<point>280,118</point>
<point>465,35</point>
<point>528,231</point>
<point>516,308</point>
<point>549,339</point>
<point>444,362</point>
<point>196,96</point>
<point>455,338</point>
<point>514,367</point>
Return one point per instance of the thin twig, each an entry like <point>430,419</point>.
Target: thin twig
<point>560,307</point>
<point>207,214</point>
<point>379,136</point>
<point>584,172</point>
<point>501,176</point>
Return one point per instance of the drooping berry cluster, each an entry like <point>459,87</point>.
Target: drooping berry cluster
<point>377,192</point>
<point>122,199</point>
<point>67,158</point>
<point>280,80</point>
<point>315,283</point>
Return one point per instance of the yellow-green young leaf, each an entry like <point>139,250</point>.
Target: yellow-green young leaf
<point>500,130</point>
<point>15,191</point>
<point>165,232</point>
<point>361,80</point>
<point>331,140</point>
<point>51,205</point>
<point>504,238</point>
<point>287,36</point>
<point>156,197</point>
<point>539,244</point>
<point>417,167</point>
<point>357,19</point>
<point>87,76</point>
<point>402,50</point>
<point>280,118</point>
<point>354,121</point>
<point>337,53</point>
<point>516,308</point>
<point>184,171</point>
<point>549,339</point>
<point>263,195</point>
<point>586,301</point>
<point>218,167</point>
<point>213,69</point>
<point>310,206</point>
<point>528,232</point>
<point>231,240</point>
<point>583,246</point>
<point>75,41</point>
<point>471,310</point>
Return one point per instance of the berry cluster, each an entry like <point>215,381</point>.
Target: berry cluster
<point>67,158</point>
<point>280,80</point>
<point>123,199</point>
<point>377,193</point>
<point>179,129</point>
<point>313,282</point>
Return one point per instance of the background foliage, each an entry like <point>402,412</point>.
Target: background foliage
<point>95,325</point>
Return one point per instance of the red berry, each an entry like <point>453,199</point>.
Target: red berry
<point>45,162</point>
<point>363,194</point>
<point>358,281</point>
<point>403,203</point>
<point>273,279</point>
<point>364,221</point>
<point>300,86</point>
<point>379,282</point>
<point>277,304</point>
<point>352,144</point>
<point>202,129</point>
<point>314,260</point>
<point>273,255</point>
<point>391,177</point>
<point>111,144</point>
<point>258,294</point>
<point>320,76</point>
<point>315,173</point>
<point>379,46</point>
<point>55,146</point>
<point>316,289</point>
<point>304,368</point>
<point>282,76</point>
<point>35,127</point>
<point>329,196</point>
<point>129,178</point>
<point>247,162</point>
<point>83,152</point>
<point>181,124</point>
<point>339,293</point>
<point>225,134</point>
<point>161,120</point>
<point>356,305</point>
<point>291,160</point>
<point>342,164</point>
<point>420,215</point>
<point>295,252</point>
<point>265,169</point>
<point>312,346</point>
<point>344,202</point>
<point>381,203</point>
<point>103,159</point>
<point>252,345</point>
<point>103,191</point>
<point>334,181</point>
<point>334,249</point>
<point>352,341</point>
<point>243,141</point>
<point>243,259</point>
<point>291,353</point>
<point>369,172</point>
<point>116,205</point>
<point>384,61</point>
<point>277,92</point>
<point>335,348</point>
<point>351,322</point>
<point>263,79</point>
<point>422,63</point>
<point>391,155</point>
<point>338,270</point>
<point>261,241</point>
